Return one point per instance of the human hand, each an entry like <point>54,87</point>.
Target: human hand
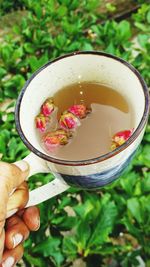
<point>17,230</point>
<point>18,226</point>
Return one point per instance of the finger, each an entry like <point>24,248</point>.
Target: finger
<point>31,218</point>
<point>16,232</point>
<point>11,257</point>
<point>14,174</point>
<point>11,177</point>
<point>2,239</point>
<point>19,198</point>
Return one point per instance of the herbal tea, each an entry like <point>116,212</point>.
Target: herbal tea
<point>83,121</point>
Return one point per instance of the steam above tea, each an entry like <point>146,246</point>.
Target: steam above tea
<point>83,121</point>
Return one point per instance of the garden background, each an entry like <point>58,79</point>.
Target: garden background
<point>110,227</point>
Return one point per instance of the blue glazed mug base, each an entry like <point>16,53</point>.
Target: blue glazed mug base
<point>98,180</point>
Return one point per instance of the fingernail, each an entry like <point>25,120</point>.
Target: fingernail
<point>11,212</point>
<point>17,239</point>
<point>9,262</point>
<point>38,225</point>
<point>23,165</point>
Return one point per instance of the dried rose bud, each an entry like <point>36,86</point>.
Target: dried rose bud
<point>113,146</point>
<point>47,107</point>
<point>120,138</point>
<point>56,138</point>
<point>68,121</point>
<point>41,122</point>
<point>61,132</point>
<point>79,111</point>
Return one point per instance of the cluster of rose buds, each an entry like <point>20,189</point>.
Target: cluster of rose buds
<point>80,111</point>
<point>56,138</point>
<point>47,107</point>
<point>120,138</point>
<point>41,122</point>
<point>70,119</point>
<point>68,122</point>
<point>43,118</point>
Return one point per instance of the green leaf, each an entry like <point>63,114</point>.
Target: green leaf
<point>110,48</point>
<point>4,139</point>
<point>35,261</point>
<point>37,63</point>
<point>62,11</point>
<point>50,247</point>
<point>110,7</point>
<point>27,32</point>
<point>147,137</point>
<point>6,52</point>
<point>144,156</point>
<point>28,48</point>
<point>87,46</point>
<point>60,41</point>
<point>141,26</point>
<point>143,39</point>
<point>103,224</point>
<point>65,201</point>
<point>128,182</point>
<point>70,247</point>
<point>134,208</point>
<point>84,209</point>
<point>145,183</point>
<point>2,145</point>
<point>13,85</point>
<point>83,235</point>
<point>18,53</point>
<point>24,23</point>
<point>2,72</point>
<point>91,5</point>
<point>12,147</point>
<point>43,60</point>
<point>33,62</point>
<point>148,16</point>
<point>145,205</point>
<point>132,229</point>
<point>38,10</point>
<point>123,31</point>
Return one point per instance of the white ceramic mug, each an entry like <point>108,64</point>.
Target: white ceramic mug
<point>71,68</point>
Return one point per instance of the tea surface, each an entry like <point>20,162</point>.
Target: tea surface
<point>110,114</point>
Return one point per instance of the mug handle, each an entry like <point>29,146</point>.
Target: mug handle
<point>47,191</point>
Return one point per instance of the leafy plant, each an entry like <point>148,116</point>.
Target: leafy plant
<point>110,227</point>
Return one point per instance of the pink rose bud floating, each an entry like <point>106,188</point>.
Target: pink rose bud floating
<point>56,138</point>
<point>79,111</point>
<point>48,107</point>
<point>68,121</point>
<point>41,122</point>
<point>120,138</point>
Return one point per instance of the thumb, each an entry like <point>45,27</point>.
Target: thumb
<point>18,199</point>
<point>24,167</point>
<point>11,176</point>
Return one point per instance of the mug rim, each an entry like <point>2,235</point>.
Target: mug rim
<point>92,160</point>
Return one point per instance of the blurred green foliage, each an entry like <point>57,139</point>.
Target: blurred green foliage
<point>110,227</point>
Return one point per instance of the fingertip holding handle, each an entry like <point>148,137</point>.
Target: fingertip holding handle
<point>36,165</point>
<point>45,192</point>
